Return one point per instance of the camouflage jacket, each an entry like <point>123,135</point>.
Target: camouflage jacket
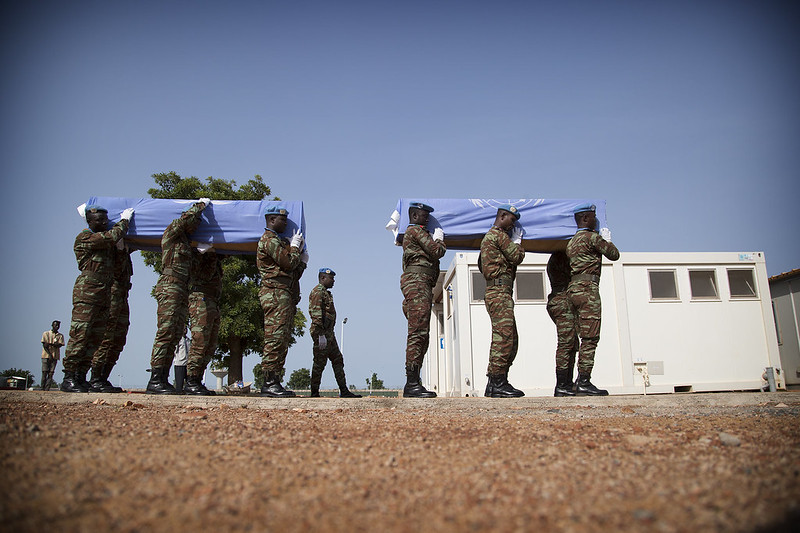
<point>123,267</point>
<point>420,250</point>
<point>500,256</point>
<point>558,272</point>
<point>322,311</point>
<point>296,275</point>
<point>176,246</point>
<point>277,261</point>
<point>95,251</point>
<point>585,251</point>
<point>206,274</point>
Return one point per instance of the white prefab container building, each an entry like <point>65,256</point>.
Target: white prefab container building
<point>785,289</point>
<point>687,321</point>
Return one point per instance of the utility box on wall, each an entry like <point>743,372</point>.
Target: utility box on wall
<point>697,321</point>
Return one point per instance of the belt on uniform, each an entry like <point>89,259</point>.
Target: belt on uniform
<point>108,278</point>
<point>170,272</point>
<point>281,280</point>
<point>586,277</point>
<point>499,281</point>
<point>416,269</point>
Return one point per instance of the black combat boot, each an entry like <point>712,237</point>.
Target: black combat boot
<point>584,387</point>
<point>99,384</point>
<point>414,388</point>
<point>344,392</point>
<point>194,386</point>
<point>180,378</point>
<point>499,387</point>
<point>564,384</point>
<point>316,377</point>
<point>159,384</point>
<point>272,387</point>
<point>106,373</point>
<point>80,376</point>
<point>71,384</point>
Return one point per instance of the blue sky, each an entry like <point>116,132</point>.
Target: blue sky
<point>684,116</point>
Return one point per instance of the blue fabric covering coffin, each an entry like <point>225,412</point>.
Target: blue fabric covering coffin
<point>548,224</point>
<point>231,226</point>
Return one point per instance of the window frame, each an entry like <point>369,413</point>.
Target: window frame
<point>674,272</point>
<point>713,272</point>
<point>754,286</point>
<point>541,273</point>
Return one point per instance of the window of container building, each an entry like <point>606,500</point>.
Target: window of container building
<point>663,285</point>
<point>742,283</point>
<point>478,287</point>
<point>530,287</point>
<point>703,284</point>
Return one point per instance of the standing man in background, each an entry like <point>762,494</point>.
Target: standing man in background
<point>172,294</point>
<point>499,258</point>
<point>563,316</point>
<point>91,294</point>
<point>585,251</point>
<point>421,254</point>
<point>52,341</point>
<point>118,323</point>
<point>323,322</point>
<point>277,261</point>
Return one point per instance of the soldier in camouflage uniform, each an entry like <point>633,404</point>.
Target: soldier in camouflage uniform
<point>206,289</point>
<point>585,251</point>
<point>499,258</point>
<point>172,294</point>
<point>421,253</point>
<point>323,321</point>
<point>91,293</point>
<point>278,260</point>
<point>118,322</point>
<point>563,315</point>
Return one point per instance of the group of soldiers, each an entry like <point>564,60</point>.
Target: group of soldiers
<point>573,304</point>
<point>190,286</point>
<point>188,292</point>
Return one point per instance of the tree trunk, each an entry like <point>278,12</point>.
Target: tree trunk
<point>235,365</point>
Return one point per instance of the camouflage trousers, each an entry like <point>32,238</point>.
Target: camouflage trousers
<point>563,316</point>
<point>321,357</point>
<point>499,303</point>
<point>585,298</point>
<point>278,322</point>
<point>90,302</point>
<point>205,315</point>
<point>418,298</point>
<point>172,314</point>
<point>116,332</point>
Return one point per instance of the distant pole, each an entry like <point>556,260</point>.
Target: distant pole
<point>343,323</point>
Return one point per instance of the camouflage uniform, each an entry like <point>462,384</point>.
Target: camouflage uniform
<point>323,321</point>
<point>561,311</point>
<point>206,289</point>
<point>499,260</point>
<point>91,295</point>
<point>585,251</point>
<point>420,271</point>
<point>172,289</point>
<point>277,264</point>
<point>118,316</point>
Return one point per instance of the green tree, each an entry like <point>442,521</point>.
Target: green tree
<point>241,324</point>
<point>300,379</point>
<point>16,372</point>
<point>375,383</point>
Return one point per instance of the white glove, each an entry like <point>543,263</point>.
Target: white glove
<point>304,256</point>
<point>606,234</point>
<point>322,342</point>
<point>516,234</point>
<point>206,201</point>
<point>127,214</point>
<point>438,234</point>
<point>297,239</point>
<point>203,247</point>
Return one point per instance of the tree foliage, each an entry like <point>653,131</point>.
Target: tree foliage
<point>375,383</point>
<point>300,379</point>
<point>241,324</point>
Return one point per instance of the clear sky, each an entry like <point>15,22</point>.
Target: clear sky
<point>683,115</point>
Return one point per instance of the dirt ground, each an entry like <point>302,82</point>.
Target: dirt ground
<point>133,463</point>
